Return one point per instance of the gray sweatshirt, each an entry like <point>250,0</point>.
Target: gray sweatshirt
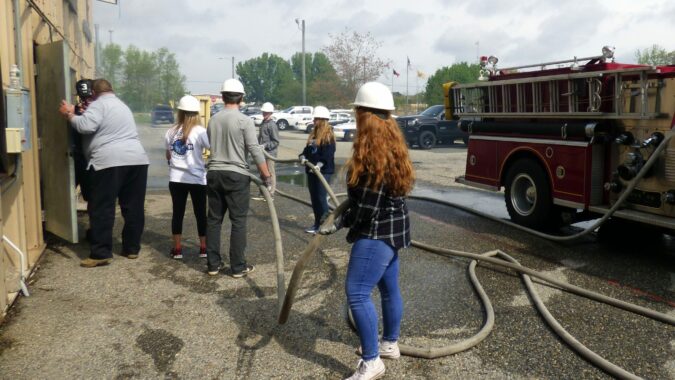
<point>109,135</point>
<point>269,136</point>
<point>232,135</point>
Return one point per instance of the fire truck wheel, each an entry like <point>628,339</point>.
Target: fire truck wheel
<point>427,140</point>
<point>528,196</point>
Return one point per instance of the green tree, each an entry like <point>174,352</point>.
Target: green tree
<point>459,72</point>
<point>269,78</point>
<point>655,56</point>
<point>323,84</point>
<point>171,83</point>
<point>139,88</point>
<point>142,78</point>
<point>317,66</point>
<point>354,57</point>
<point>112,63</point>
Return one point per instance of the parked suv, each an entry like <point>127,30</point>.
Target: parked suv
<point>430,127</point>
<point>161,114</point>
<point>289,117</point>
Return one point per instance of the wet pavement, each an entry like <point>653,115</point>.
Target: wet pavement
<point>156,317</point>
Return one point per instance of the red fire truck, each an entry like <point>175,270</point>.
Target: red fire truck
<point>566,138</point>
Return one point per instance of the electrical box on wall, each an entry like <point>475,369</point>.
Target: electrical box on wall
<point>15,139</point>
<point>18,118</point>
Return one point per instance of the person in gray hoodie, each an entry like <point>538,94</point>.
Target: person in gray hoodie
<point>118,171</point>
<point>232,137</point>
<point>268,137</point>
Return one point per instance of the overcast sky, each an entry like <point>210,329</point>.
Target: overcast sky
<point>205,34</point>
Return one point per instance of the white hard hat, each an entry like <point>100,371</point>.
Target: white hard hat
<point>188,103</point>
<point>321,112</point>
<point>375,95</point>
<point>233,85</point>
<point>267,107</point>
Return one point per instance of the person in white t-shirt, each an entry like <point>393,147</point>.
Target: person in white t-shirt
<point>185,143</point>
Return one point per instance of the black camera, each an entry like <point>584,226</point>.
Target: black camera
<point>83,88</point>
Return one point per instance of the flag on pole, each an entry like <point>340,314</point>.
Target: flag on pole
<point>408,62</point>
<point>396,73</point>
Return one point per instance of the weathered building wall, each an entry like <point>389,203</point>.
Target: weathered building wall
<point>21,210</point>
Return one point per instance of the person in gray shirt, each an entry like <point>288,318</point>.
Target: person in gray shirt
<point>232,136</point>
<point>118,170</point>
<point>268,137</point>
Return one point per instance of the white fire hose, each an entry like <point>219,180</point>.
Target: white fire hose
<point>288,295</point>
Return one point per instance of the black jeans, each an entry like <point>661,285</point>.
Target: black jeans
<point>317,194</point>
<point>179,193</point>
<point>227,190</point>
<point>126,183</point>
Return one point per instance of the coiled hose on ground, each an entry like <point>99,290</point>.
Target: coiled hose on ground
<point>511,263</point>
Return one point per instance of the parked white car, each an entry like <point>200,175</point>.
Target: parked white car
<point>304,122</point>
<point>257,119</point>
<point>307,123</point>
<point>345,131</point>
<point>289,117</point>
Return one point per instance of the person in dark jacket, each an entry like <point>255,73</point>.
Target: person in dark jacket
<point>320,151</point>
<point>379,176</point>
<point>268,138</point>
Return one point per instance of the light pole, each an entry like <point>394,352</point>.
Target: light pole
<point>232,64</point>
<point>301,25</point>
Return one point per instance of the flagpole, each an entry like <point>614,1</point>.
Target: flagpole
<point>417,80</point>
<point>407,71</point>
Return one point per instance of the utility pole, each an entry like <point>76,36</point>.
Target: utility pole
<point>232,66</point>
<point>97,51</point>
<point>111,32</point>
<point>301,25</point>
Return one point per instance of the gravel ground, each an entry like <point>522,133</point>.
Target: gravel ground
<point>156,317</point>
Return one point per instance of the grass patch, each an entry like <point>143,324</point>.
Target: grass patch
<point>142,117</point>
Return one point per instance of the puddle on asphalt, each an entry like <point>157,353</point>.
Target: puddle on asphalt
<point>295,175</point>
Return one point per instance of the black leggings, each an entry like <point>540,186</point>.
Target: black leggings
<point>179,192</point>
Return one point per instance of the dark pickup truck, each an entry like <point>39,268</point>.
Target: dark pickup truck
<point>430,127</point>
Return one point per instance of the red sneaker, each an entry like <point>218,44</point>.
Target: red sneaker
<point>202,252</point>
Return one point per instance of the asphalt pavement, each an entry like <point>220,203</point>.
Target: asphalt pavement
<point>156,317</point>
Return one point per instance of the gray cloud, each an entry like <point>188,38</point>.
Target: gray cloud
<point>434,33</point>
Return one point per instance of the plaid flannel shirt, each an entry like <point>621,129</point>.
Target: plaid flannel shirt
<point>376,215</point>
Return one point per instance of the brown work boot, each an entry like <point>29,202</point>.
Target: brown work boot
<point>90,263</point>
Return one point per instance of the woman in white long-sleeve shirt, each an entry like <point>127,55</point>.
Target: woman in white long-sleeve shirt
<point>185,143</point>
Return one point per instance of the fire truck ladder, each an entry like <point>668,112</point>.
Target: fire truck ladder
<point>610,94</point>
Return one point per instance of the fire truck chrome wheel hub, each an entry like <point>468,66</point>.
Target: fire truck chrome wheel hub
<point>523,194</point>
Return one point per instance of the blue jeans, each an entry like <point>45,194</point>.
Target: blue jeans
<point>374,262</point>
<point>317,194</point>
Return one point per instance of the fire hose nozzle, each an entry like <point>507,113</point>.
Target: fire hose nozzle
<point>625,138</point>
<point>654,140</point>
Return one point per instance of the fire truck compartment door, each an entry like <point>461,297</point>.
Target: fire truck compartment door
<point>57,172</point>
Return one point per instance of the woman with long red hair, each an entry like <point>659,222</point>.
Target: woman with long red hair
<point>379,176</point>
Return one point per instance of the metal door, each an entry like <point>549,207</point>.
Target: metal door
<point>57,172</point>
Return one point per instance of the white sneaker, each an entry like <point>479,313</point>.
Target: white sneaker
<point>388,350</point>
<point>368,370</point>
